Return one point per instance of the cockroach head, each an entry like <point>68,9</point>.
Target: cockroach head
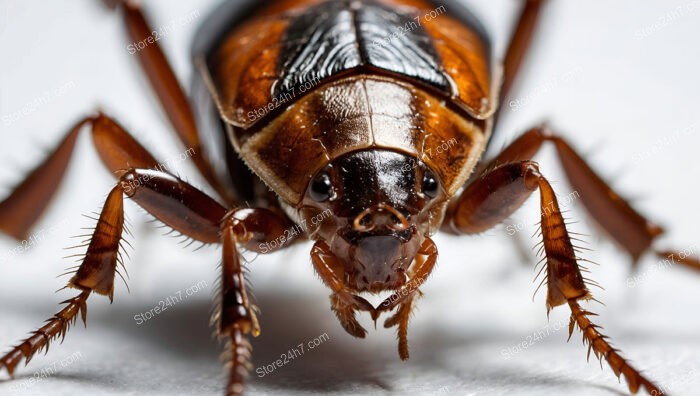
<point>374,208</point>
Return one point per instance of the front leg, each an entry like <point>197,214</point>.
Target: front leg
<point>236,318</point>
<point>169,199</point>
<point>496,195</point>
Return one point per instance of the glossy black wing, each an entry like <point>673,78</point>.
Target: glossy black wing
<point>337,36</point>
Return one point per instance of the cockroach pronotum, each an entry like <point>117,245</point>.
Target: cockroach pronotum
<point>362,125</point>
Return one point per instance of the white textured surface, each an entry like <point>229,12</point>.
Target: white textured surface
<point>619,78</point>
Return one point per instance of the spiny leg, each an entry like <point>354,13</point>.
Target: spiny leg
<point>119,151</point>
<point>565,281</point>
<point>168,90</point>
<point>496,195</point>
<point>598,343</point>
<point>167,198</point>
<point>200,217</point>
<point>56,326</point>
<point>29,200</point>
<point>237,317</point>
<point>96,273</point>
<point>252,229</point>
<point>170,200</point>
<point>629,229</point>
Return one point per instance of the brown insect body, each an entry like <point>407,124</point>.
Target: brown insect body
<point>369,121</point>
<point>358,121</point>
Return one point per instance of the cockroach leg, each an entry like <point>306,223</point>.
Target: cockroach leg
<point>519,45</point>
<point>56,326</point>
<point>252,229</point>
<point>169,92</point>
<point>630,230</point>
<point>490,199</point>
<point>343,302</point>
<point>96,273</point>
<point>237,317</point>
<point>681,258</point>
<point>598,343</point>
<point>117,149</point>
<point>169,199</point>
<point>28,201</point>
<point>495,196</point>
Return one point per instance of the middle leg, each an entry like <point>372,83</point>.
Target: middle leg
<point>630,230</point>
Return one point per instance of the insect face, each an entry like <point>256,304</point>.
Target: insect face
<point>381,203</point>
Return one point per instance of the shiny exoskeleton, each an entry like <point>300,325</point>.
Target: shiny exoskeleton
<point>334,110</point>
<point>361,123</point>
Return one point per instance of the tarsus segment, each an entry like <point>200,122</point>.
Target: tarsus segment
<point>598,343</point>
<point>57,326</point>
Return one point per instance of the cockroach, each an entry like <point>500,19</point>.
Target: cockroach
<point>361,124</point>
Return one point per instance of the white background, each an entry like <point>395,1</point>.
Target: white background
<point>619,79</point>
